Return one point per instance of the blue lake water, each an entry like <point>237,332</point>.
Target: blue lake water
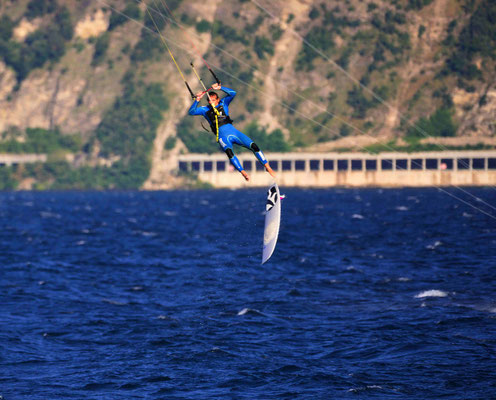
<point>379,294</point>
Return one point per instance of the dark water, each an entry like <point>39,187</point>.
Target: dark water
<point>370,294</point>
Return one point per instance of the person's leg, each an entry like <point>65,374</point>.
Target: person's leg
<point>243,140</point>
<point>226,145</point>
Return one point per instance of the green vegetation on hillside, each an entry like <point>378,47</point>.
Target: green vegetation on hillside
<point>6,28</point>
<point>129,127</point>
<point>273,141</point>
<point>321,36</point>
<point>127,132</point>
<point>196,139</point>
<point>44,141</point>
<point>226,32</point>
<point>131,11</point>
<point>7,179</point>
<point>62,175</point>
<point>438,124</point>
<point>203,26</point>
<point>47,44</point>
<point>150,44</point>
<point>418,4</point>
<point>38,8</point>
<point>478,37</point>
<point>262,46</point>
<point>101,46</point>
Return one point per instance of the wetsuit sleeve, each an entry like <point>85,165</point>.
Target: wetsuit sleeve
<point>230,94</point>
<point>195,110</point>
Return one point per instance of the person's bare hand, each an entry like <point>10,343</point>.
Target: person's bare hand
<point>199,95</point>
<point>216,86</point>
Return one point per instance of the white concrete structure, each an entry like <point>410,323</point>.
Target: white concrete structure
<point>460,168</point>
<point>15,159</point>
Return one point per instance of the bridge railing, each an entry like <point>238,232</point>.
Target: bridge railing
<point>308,162</point>
<point>16,159</point>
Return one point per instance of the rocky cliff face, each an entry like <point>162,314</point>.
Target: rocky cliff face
<point>70,94</point>
<point>305,67</point>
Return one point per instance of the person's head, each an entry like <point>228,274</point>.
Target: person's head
<point>214,98</point>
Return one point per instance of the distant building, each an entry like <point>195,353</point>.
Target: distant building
<point>458,168</point>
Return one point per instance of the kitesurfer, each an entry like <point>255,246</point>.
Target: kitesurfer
<point>217,115</point>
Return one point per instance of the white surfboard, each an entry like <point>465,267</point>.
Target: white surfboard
<point>272,221</point>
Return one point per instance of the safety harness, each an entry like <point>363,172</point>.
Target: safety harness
<point>218,115</point>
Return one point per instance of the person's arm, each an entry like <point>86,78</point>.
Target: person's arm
<point>230,94</point>
<point>194,109</point>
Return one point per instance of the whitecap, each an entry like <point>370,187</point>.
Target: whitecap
<point>431,293</point>
<point>246,310</point>
<point>403,279</point>
<point>437,243</point>
<point>353,269</point>
<point>402,208</point>
<point>81,243</point>
<point>467,215</point>
<point>148,234</point>
<point>170,213</point>
<point>357,216</point>
<point>364,388</point>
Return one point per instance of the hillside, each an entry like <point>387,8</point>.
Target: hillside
<point>91,84</point>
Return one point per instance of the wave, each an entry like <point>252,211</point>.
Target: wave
<point>437,243</point>
<point>246,310</point>
<point>431,293</point>
<point>115,302</point>
<point>365,388</point>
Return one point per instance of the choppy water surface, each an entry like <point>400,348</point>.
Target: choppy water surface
<point>369,294</point>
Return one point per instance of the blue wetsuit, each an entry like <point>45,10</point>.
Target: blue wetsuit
<point>228,134</point>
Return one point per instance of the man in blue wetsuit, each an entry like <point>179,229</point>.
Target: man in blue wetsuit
<point>217,115</point>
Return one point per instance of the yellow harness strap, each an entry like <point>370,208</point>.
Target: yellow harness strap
<point>217,114</point>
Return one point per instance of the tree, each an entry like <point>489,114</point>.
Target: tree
<point>438,124</point>
<point>6,28</point>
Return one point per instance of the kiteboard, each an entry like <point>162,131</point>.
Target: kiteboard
<point>272,221</point>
